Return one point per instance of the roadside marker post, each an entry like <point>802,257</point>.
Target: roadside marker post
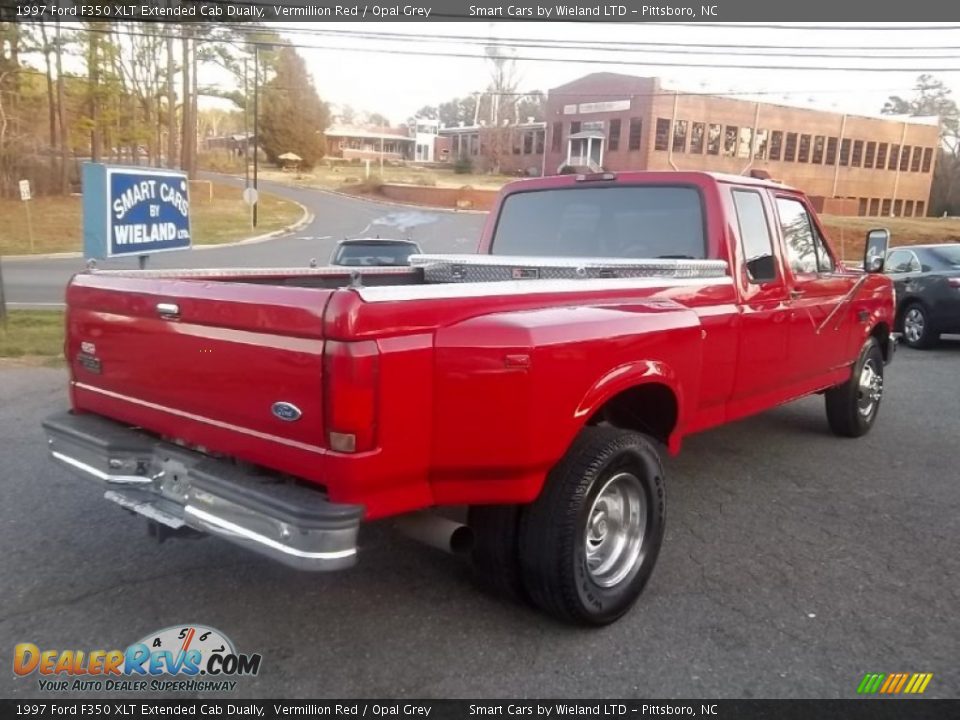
<point>26,196</point>
<point>3,298</point>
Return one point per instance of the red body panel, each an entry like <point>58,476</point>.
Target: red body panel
<point>476,396</point>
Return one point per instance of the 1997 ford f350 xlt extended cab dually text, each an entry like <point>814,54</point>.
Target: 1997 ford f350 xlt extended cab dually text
<point>605,318</point>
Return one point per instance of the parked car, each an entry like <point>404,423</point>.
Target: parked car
<point>606,318</point>
<point>927,280</point>
<point>374,251</point>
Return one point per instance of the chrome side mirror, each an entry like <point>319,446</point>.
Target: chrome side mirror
<point>878,240</point>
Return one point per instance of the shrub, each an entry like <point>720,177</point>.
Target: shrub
<point>463,166</point>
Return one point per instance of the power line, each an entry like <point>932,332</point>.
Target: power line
<point>801,26</point>
<point>588,61</point>
<point>610,46</point>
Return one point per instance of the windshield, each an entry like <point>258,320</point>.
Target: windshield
<point>611,222</point>
<point>948,254</point>
<point>375,254</point>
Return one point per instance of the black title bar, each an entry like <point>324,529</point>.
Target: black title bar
<point>711,11</point>
<point>865,709</point>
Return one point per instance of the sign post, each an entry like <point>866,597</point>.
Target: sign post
<point>3,298</point>
<point>250,196</point>
<point>134,212</point>
<point>25,196</point>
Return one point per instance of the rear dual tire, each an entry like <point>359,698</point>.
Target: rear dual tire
<point>586,547</point>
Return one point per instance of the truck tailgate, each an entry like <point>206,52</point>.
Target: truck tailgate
<point>208,353</point>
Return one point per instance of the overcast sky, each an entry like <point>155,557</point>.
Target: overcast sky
<point>348,71</point>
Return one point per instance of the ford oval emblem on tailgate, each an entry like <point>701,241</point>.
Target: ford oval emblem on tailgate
<point>286,411</point>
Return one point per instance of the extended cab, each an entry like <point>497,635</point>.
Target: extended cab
<point>605,318</point>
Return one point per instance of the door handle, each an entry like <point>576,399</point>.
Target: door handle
<point>168,311</point>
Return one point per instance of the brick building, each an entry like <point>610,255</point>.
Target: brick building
<point>848,164</point>
<point>516,148</point>
<point>350,142</point>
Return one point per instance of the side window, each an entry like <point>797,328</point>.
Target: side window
<point>898,262</point>
<point>755,240</point>
<point>806,250</point>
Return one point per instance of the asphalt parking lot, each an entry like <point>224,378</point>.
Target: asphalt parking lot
<point>794,563</point>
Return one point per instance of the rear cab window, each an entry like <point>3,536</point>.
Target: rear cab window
<point>611,221</point>
<point>756,240</point>
<point>807,252</point>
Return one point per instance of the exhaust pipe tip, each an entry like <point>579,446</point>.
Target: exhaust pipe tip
<point>437,532</point>
<point>461,540</point>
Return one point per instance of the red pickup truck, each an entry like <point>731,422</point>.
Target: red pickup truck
<point>605,318</point>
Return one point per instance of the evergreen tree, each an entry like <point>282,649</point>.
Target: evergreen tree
<point>292,115</point>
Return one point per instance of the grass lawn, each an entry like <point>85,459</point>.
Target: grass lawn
<point>58,222</point>
<point>32,333</point>
<point>848,233</point>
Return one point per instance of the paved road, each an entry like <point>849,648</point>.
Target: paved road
<point>31,282</point>
<point>794,563</point>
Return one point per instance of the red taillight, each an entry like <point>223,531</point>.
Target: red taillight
<point>350,377</point>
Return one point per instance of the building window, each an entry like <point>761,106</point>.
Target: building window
<point>844,152</point>
<point>713,139</point>
<point>915,160</point>
<point>874,206</point>
<point>556,140</point>
<point>730,141</point>
<point>804,155</point>
<point>762,139</point>
<point>908,209</point>
<point>894,157</point>
<point>862,207</point>
<point>613,143</point>
<point>897,208</point>
<point>920,208</point>
<point>831,155</point>
<point>927,160</point>
<point>745,144</point>
<point>696,138</point>
<point>869,154</point>
<point>857,157</point>
<point>662,140</point>
<point>776,144</point>
<point>790,150</point>
<point>574,127</point>
<point>881,156</point>
<point>636,134</point>
<point>539,134</point>
<point>818,143</point>
<point>885,210</point>
<point>905,158</point>
<point>516,139</point>
<point>680,136</point>
<point>527,143</point>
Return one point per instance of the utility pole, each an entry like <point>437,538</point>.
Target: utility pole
<point>256,122</point>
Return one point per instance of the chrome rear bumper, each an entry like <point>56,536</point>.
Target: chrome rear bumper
<point>180,488</point>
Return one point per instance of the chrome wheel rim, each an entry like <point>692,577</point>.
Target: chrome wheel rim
<point>913,323</point>
<point>616,525</point>
<point>870,390</point>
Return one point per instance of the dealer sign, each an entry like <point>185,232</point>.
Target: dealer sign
<point>131,211</point>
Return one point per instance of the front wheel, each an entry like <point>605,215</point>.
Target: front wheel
<point>853,406</point>
<point>588,544</point>
<point>918,331</point>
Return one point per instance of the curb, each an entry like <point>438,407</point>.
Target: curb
<point>305,219</point>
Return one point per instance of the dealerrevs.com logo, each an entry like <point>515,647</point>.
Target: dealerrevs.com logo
<point>180,658</point>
